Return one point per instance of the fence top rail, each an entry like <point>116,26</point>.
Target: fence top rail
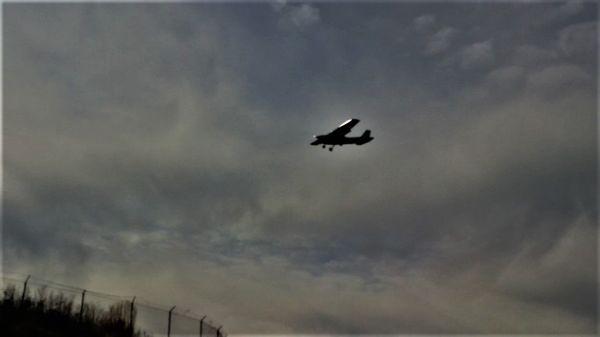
<point>17,278</point>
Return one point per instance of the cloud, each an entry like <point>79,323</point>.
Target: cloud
<point>135,169</point>
<point>557,78</point>
<point>559,259</point>
<point>302,16</point>
<point>504,81</point>
<point>579,40</point>
<point>508,75</point>
<point>278,5</point>
<point>570,8</point>
<point>424,22</point>
<point>477,55</point>
<point>561,12</point>
<point>441,41</point>
<point>528,55</point>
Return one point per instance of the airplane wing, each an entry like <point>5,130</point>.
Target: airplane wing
<point>344,128</point>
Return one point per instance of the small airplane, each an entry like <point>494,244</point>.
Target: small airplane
<point>338,136</point>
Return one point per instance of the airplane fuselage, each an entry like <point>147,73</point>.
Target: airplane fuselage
<point>325,140</point>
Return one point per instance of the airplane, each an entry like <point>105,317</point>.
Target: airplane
<point>338,136</point>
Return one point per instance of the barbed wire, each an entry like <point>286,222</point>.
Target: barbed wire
<point>18,278</point>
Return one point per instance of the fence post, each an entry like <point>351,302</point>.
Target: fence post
<point>25,289</point>
<point>131,309</point>
<point>219,331</point>
<point>201,323</point>
<point>169,326</point>
<point>82,304</point>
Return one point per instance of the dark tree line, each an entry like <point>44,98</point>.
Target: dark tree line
<point>52,314</point>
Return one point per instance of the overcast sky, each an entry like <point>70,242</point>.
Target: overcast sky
<point>163,150</point>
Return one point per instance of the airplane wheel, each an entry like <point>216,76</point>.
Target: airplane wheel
<point>330,149</point>
<point>323,146</point>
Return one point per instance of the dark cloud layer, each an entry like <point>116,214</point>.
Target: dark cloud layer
<point>171,140</point>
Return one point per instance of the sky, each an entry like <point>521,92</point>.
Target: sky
<point>162,150</point>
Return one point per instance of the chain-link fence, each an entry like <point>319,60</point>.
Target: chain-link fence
<point>142,317</point>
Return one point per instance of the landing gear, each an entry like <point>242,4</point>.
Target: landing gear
<point>331,148</point>
<point>323,146</point>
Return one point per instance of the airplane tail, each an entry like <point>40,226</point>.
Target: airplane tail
<point>365,137</point>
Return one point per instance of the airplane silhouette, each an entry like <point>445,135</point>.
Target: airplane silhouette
<point>338,136</point>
